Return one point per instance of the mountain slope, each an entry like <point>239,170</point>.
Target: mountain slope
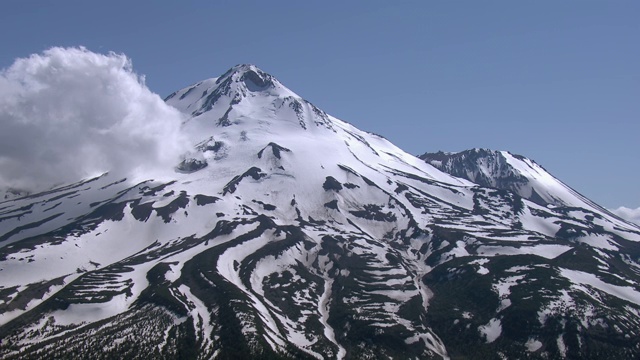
<point>288,233</point>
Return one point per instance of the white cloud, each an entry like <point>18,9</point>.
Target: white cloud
<point>70,113</point>
<point>632,215</point>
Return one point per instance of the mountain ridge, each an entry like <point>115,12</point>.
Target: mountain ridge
<point>305,237</point>
<point>511,172</point>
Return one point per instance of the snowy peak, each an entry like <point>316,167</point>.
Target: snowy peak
<point>239,92</point>
<point>238,83</point>
<point>252,78</point>
<point>245,80</point>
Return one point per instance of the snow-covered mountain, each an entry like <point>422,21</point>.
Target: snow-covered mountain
<point>288,233</point>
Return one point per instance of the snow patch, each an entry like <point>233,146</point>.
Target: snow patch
<point>88,313</point>
<point>582,278</point>
<point>548,251</point>
<point>492,330</point>
<point>533,345</point>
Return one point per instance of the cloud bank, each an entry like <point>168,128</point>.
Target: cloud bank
<point>69,113</point>
<point>632,215</point>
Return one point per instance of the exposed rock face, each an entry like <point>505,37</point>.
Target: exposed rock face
<point>191,165</point>
<point>506,171</point>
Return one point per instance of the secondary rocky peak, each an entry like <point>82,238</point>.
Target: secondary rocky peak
<point>445,156</point>
<point>506,171</point>
<point>485,167</point>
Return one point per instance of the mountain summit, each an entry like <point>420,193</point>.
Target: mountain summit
<point>293,234</point>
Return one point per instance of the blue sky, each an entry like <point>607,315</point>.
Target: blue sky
<point>557,81</point>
